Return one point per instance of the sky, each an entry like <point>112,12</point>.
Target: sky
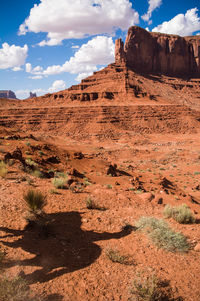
<point>49,45</point>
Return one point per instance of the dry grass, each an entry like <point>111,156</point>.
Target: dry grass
<point>162,235</point>
<point>15,289</point>
<point>3,169</point>
<point>35,200</point>
<point>182,214</point>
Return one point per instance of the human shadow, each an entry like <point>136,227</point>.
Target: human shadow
<point>64,248</point>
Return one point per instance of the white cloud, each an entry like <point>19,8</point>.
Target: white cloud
<point>181,24</point>
<point>28,67</point>
<point>96,52</point>
<point>17,69</point>
<point>82,76</point>
<point>75,47</point>
<point>56,86</point>
<point>66,19</point>
<point>12,56</point>
<point>36,77</point>
<point>153,4</point>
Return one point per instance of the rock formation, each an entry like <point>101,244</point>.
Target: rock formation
<point>7,94</point>
<point>32,95</point>
<point>149,52</point>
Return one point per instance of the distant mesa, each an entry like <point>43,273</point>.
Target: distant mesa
<point>7,94</point>
<point>32,95</point>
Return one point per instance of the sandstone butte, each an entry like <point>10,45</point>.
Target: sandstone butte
<point>148,65</point>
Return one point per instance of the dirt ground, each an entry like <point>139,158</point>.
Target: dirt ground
<point>71,263</point>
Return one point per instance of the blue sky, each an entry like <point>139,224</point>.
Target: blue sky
<point>48,45</point>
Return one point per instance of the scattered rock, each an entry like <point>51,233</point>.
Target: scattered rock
<point>197,247</point>
<point>147,196</point>
<point>112,170</point>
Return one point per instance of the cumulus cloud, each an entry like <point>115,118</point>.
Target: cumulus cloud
<point>56,86</point>
<point>96,52</point>
<point>66,19</point>
<point>181,24</point>
<point>153,4</point>
<point>12,56</point>
<point>17,69</point>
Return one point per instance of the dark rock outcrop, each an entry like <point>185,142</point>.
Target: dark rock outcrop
<point>7,94</point>
<point>149,52</point>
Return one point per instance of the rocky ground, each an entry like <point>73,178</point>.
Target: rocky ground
<point>71,261</point>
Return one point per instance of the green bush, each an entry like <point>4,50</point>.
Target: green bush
<point>30,162</point>
<point>162,235</point>
<point>59,183</point>
<point>35,200</point>
<point>115,256</point>
<point>3,169</point>
<point>15,290</point>
<point>146,288</point>
<point>90,204</point>
<point>182,214</point>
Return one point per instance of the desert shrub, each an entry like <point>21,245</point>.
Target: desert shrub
<point>162,235</point>
<point>30,162</point>
<point>3,169</point>
<point>40,153</point>
<point>37,173</point>
<point>90,204</point>
<point>109,186</point>
<point>35,200</point>
<point>2,256</point>
<point>59,183</point>
<point>115,256</point>
<point>15,289</point>
<point>146,288</point>
<point>182,214</point>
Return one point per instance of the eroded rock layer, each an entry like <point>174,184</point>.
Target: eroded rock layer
<point>101,122</point>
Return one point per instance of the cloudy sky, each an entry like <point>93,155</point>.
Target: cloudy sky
<point>48,45</point>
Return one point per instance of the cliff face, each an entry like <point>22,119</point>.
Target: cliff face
<point>159,53</point>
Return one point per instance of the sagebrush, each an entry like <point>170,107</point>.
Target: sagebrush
<point>162,235</point>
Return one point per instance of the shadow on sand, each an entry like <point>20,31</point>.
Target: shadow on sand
<point>65,249</point>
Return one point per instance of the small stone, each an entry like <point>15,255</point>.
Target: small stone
<point>160,201</point>
<point>197,247</point>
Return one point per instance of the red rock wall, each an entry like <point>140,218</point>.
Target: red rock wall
<point>147,52</point>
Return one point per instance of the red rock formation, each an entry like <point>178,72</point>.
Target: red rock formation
<point>149,52</point>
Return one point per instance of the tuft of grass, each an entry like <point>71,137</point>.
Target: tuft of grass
<point>37,173</point>
<point>15,289</point>
<point>162,235</point>
<point>182,214</point>
<point>3,169</point>
<point>54,191</point>
<point>90,204</point>
<point>2,256</point>
<point>59,183</point>
<point>40,153</point>
<point>109,186</point>
<point>146,288</point>
<point>30,162</point>
<point>115,256</point>
<point>35,200</point>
